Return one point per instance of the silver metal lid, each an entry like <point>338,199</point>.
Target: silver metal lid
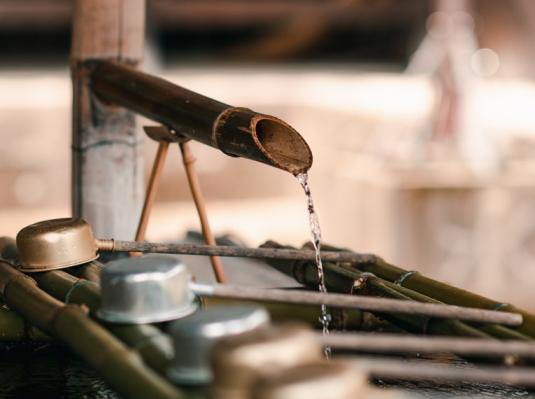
<point>146,289</point>
<point>195,335</point>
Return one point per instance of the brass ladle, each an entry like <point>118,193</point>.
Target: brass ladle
<point>61,243</point>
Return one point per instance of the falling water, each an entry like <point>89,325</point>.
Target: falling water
<point>315,232</point>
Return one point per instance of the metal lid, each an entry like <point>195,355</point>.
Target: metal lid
<point>146,289</point>
<point>237,362</point>
<point>56,244</point>
<point>195,335</point>
<point>318,380</point>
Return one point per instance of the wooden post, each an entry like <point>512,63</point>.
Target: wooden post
<point>107,167</point>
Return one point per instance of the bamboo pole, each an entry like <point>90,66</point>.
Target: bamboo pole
<point>339,279</point>
<point>107,165</point>
<point>151,343</point>
<point>397,343</point>
<point>373,283</point>
<point>356,302</point>
<point>235,131</point>
<point>120,367</point>
<point>440,291</point>
<point>88,271</point>
<point>14,328</point>
<point>198,198</point>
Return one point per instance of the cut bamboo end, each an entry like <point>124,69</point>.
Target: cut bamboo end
<point>281,144</point>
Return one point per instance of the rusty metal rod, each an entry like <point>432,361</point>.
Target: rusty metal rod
<point>397,343</point>
<point>357,302</point>
<point>233,130</point>
<point>391,368</point>
<point>232,251</point>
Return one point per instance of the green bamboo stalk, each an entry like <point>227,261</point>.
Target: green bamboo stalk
<point>440,291</point>
<point>493,330</point>
<point>306,273</point>
<point>121,367</point>
<point>13,328</point>
<point>89,271</point>
<point>151,343</point>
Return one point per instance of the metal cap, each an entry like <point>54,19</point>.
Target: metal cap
<point>195,335</point>
<point>237,362</point>
<point>55,244</point>
<point>318,380</point>
<point>146,289</point>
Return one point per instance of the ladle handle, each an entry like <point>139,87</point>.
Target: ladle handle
<point>357,302</point>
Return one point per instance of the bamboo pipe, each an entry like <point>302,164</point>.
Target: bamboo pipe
<point>233,130</point>
<point>397,343</point>
<point>389,368</point>
<point>373,283</point>
<point>305,273</point>
<point>14,328</point>
<point>150,342</point>
<point>355,302</point>
<point>189,165</point>
<point>339,279</point>
<point>119,366</point>
<point>439,290</point>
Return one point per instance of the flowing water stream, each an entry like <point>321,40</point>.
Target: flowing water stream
<point>315,232</point>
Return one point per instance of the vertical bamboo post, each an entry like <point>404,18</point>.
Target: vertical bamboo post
<point>107,168</point>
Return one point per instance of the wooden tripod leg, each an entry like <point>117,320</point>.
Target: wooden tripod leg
<point>152,188</point>
<point>195,188</point>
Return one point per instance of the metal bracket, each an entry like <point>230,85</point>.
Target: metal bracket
<point>163,133</point>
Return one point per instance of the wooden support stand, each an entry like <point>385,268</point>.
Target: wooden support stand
<point>164,136</point>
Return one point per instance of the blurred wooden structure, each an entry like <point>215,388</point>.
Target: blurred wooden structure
<point>107,167</point>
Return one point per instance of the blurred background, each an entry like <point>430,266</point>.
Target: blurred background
<point>420,115</point>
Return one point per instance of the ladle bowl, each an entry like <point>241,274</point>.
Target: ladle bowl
<point>55,244</point>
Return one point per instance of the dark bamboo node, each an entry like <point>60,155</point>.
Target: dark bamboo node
<point>231,251</point>
<point>398,343</point>
<point>235,131</point>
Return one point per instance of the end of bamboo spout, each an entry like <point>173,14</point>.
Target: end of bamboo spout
<point>264,138</point>
<point>282,145</point>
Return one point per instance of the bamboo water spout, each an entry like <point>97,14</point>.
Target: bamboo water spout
<point>235,131</point>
